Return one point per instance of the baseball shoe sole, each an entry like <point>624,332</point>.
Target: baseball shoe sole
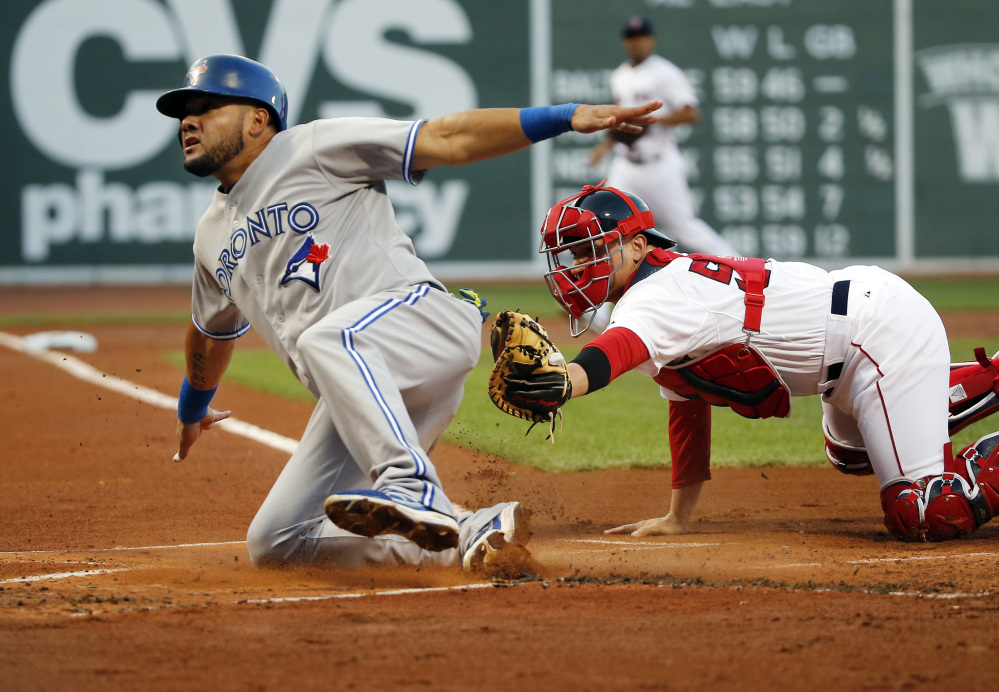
<point>499,549</point>
<point>372,513</point>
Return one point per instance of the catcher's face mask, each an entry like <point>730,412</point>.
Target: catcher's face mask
<point>581,254</point>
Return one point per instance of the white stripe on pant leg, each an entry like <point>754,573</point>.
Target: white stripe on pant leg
<point>348,342</point>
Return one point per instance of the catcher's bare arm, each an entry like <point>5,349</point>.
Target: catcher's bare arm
<point>485,133</point>
<point>207,360</point>
<point>578,379</point>
<point>682,503</point>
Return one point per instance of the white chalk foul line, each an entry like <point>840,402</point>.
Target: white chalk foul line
<point>881,560</point>
<point>64,575</point>
<point>639,544</point>
<point>88,373</point>
<point>353,594</point>
<point>122,547</point>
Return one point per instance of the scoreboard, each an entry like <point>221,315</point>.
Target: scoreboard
<point>793,156</point>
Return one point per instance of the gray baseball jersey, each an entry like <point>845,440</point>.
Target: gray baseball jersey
<point>305,247</point>
<point>306,230</point>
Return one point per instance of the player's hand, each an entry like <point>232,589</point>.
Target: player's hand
<point>663,526</point>
<point>188,433</point>
<point>588,119</point>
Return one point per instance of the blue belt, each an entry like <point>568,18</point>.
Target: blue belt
<point>840,296</point>
<point>838,305</point>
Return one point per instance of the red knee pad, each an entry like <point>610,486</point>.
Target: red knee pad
<point>846,458</point>
<point>850,460</point>
<point>948,512</point>
<point>933,509</point>
<point>902,502</point>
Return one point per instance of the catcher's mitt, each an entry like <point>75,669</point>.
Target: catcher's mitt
<point>628,138</point>
<point>529,379</point>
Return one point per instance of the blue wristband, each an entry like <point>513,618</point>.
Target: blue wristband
<point>193,403</point>
<point>545,122</point>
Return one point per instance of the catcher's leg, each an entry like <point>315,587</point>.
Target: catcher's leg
<point>844,444</point>
<point>979,464</point>
<point>952,505</point>
<point>974,390</point>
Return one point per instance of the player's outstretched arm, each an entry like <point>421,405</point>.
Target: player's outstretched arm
<point>588,119</point>
<point>476,135</point>
<point>207,360</point>
<point>579,379</point>
<point>677,522</point>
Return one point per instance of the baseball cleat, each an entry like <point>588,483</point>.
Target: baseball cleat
<point>374,513</point>
<point>499,549</point>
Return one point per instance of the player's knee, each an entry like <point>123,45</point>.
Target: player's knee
<point>260,545</point>
<point>268,546</point>
<point>847,458</point>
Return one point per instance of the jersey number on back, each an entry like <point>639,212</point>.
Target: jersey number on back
<point>722,273</point>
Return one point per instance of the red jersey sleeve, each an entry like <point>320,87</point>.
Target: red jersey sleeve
<point>690,442</point>
<point>689,421</point>
<point>624,349</point>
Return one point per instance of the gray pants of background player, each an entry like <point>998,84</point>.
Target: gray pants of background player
<point>389,371</point>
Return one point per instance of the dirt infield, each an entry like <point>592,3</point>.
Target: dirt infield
<point>122,570</point>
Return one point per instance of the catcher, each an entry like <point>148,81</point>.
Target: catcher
<point>749,334</point>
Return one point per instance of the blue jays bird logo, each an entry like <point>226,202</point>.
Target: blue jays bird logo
<point>195,72</point>
<point>304,265</point>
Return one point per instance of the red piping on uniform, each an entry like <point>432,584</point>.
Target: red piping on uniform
<point>884,406</point>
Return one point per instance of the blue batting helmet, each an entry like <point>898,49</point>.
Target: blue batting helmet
<point>228,75</point>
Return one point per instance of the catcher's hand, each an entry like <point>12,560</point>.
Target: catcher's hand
<point>529,379</point>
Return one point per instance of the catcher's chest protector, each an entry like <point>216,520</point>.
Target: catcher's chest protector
<point>737,376</point>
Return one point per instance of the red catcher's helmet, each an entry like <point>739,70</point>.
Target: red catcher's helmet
<point>584,226</point>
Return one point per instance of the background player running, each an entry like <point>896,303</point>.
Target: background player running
<point>649,164</point>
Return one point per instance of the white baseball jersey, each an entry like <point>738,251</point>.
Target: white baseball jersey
<point>882,366</point>
<point>653,78</point>
<point>652,167</point>
<point>306,248</point>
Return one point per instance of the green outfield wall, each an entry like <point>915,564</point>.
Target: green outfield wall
<point>835,132</point>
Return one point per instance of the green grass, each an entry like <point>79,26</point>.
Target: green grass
<point>82,319</point>
<point>621,426</point>
<point>531,298</point>
<point>258,369</point>
<point>624,425</point>
<point>976,294</point>
<point>972,294</point>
